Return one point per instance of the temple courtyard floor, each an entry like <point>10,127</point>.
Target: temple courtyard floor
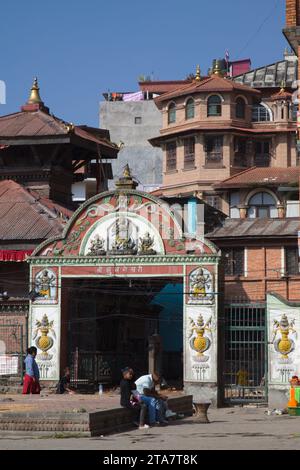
<point>230,428</point>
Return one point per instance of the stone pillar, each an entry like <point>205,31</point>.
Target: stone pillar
<point>44,330</point>
<point>155,354</point>
<point>227,146</point>
<point>283,322</point>
<point>201,335</point>
<point>199,151</point>
<point>180,154</point>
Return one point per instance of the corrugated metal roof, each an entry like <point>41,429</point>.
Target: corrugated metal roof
<point>245,228</point>
<point>271,76</point>
<point>24,216</point>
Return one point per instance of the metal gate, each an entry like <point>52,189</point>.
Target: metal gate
<point>12,350</point>
<point>245,366</point>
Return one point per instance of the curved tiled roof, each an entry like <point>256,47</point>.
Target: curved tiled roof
<point>214,83</point>
<point>40,124</point>
<point>26,216</point>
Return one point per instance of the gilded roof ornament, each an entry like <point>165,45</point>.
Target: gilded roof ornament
<point>126,181</point>
<point>198,73</point>
<point>34,97</point>
<point>217,69</point>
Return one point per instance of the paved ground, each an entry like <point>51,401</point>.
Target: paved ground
<point>229,429</point>
<point>62,403</point>
<point>59,403</point>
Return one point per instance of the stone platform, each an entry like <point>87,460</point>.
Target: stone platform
<point>90,415</point>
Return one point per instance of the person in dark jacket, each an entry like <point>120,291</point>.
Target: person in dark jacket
<point>63,385</point>
<point>128,399</point>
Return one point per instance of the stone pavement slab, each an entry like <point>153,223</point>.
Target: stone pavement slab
<point>237,429</point>
<point>63,403</point>
<point>92,415</point>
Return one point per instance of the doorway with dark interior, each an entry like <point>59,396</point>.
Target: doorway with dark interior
<point>109,323</point>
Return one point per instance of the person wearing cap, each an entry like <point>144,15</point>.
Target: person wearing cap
<point>128,399</point>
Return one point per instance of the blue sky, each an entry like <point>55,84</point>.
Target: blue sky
<point>79,49</point>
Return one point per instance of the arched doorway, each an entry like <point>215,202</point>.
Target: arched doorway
<point>116,242</point>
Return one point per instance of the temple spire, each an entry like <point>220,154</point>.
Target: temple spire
<point>126,181</point>
<point>35,102</point>
<point>34,97</point>
<point>217,69</point>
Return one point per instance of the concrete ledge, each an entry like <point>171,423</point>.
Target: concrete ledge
<point>89,423</point>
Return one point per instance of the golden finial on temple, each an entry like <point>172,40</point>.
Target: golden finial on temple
<point>283,85</point>
<point>217,69</point>
<point>126,181</point>
<point>34,97</point>
<point>198,73</point>
<point>126,171</point>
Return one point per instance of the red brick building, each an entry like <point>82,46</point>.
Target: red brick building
<point>259,239</point>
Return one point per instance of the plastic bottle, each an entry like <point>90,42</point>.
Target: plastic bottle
<point>100,389</point>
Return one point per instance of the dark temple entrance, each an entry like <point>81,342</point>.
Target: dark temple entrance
<point>109,322</point>
<point>245,363</point>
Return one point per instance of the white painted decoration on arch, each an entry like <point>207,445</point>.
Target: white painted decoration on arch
<point>122,232</point>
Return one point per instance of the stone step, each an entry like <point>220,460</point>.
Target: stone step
<point>92,424</point>
<point>4,389</point>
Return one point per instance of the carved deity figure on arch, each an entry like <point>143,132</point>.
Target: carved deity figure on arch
<point>45,284</point>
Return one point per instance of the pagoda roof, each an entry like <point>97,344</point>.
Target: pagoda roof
<point>39,127</point>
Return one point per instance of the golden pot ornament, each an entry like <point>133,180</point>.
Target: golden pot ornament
<point>199,342</point>
<point>284,345</point>
<point>44,342</point>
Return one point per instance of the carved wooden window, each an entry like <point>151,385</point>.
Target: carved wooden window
<point>190,109</point>
<point>214,149</point>
<point>171,113</point>
<point>240,110</point>
<point>233,261</point>
<point>240,152</point>
<point>292,260</point>
<point>171,152</point>
<point>189,152</point>
<point>262,157</point>
<point>214,106</point>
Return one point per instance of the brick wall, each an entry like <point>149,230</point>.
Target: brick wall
<point>264,274</point>
<point>12,317</point>
<point>292,13</point>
